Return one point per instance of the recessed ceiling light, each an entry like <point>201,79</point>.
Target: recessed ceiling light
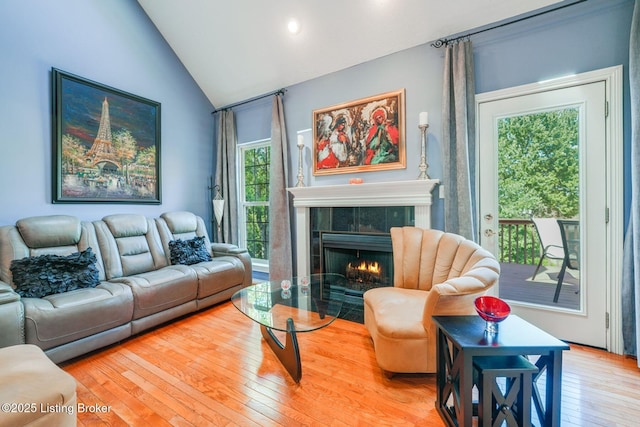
<point>293,26</point>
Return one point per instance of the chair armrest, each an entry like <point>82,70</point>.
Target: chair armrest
<point>456,296</point>
<point>227,249</point>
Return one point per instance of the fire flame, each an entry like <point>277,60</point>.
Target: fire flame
<point>371,267</point>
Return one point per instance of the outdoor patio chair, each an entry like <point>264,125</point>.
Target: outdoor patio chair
<point>548,231</point>
<point>570,234</point>
<point>552,233</point>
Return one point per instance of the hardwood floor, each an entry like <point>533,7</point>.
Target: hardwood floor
<point>213,369</point>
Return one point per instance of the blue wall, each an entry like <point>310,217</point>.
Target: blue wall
<point>585,37</point>
<point>114,43</point>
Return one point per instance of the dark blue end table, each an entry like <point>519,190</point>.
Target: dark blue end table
<point>461,338</point>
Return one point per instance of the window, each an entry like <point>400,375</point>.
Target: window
<point>255,161</point>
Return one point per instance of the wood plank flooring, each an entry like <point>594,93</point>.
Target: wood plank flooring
<point>213,369</point>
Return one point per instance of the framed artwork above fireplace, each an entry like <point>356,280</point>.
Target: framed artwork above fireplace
<point>360,136</point>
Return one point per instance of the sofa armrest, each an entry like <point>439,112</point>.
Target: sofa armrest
<point>7,294</point>
<point>227,249</point>
<point>11,316</point>
<point>220,249</point>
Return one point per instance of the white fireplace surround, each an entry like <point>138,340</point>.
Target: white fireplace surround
<point>398,193</point>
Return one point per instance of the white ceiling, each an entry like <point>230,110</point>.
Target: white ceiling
<point>238,49</point>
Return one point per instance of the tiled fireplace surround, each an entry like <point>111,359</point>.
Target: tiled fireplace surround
<point>416,195</point>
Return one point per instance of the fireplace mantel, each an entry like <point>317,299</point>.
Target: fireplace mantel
<point>398,193</point>
<point>415,193</point>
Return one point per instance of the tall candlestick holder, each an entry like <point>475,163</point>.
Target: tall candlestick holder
<point>300,182</point>
<point>423,156</point>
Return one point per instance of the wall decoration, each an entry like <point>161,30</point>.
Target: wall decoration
<point>106,143</point>
<point>360,136</point>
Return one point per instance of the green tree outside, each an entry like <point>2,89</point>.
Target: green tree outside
<point>257,163</point>
<point>538,171</point>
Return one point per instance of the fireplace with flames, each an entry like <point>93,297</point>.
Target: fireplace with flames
<point>366,260</point>
<point>364,272</point>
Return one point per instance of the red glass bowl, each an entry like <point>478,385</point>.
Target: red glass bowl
<point>492,309</point>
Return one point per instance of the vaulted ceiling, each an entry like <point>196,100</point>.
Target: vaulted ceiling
<point>239,49</point>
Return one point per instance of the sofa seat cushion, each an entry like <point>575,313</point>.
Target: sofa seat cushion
<point>394,318</point>
<point>61,318</point>
<point>161,289</point>
<point>30,379</point>
<point>218,275</point>
<point>397,312</point>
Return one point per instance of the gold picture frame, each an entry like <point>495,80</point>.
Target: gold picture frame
<point>365,135</point>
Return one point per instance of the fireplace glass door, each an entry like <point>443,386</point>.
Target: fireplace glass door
<point>366,260</point>
<point>352,222</point>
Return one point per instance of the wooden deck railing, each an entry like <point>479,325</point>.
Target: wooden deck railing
<point>518,241</point>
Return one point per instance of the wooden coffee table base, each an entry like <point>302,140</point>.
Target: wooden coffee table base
<point>289,353</point>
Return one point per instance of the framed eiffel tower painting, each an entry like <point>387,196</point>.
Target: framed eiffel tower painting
<point>106,143</point>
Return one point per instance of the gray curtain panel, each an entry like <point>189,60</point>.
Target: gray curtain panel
<point>226,176</point>
<point>631,263</point>
<point>280,255</point>
<point>458,140</point>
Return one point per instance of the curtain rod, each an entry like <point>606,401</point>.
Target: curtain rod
<point>276,92</point>
<point>444,41</point>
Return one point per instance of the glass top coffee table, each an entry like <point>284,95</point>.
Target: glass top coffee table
<point>302,304</point>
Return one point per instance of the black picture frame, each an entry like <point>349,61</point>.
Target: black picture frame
<point>106,143</point>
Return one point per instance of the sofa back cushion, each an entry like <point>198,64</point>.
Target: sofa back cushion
<point>59,235</point>
<point>415,253</point>
<point>49,232</point>
<point>424,257</point>
<point>181,224</point>
<point>185,227</point>
<point>130,245</point>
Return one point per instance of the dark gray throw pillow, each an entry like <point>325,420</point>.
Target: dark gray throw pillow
<point>39,276</point>
<point>189,252</point>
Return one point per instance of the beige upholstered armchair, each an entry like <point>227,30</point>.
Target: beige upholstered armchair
<point>435,273</point>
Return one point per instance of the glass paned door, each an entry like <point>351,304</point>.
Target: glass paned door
<point>542,201</point>
<point>538,192</point>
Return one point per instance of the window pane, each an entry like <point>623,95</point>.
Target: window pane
<point>255,160</point>
<point>539,176</point>
<point>538,164</point>
<point>257,222</point>
<point>256,168</point>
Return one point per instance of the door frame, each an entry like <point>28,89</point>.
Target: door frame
<point>613,78</point>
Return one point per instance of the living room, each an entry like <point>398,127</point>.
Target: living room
<point>115,43</point>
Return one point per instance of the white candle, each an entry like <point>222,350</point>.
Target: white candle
<point>300,141</point>
<point>424,118</point>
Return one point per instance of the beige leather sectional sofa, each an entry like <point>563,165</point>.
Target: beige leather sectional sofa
<point>138,288</point>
